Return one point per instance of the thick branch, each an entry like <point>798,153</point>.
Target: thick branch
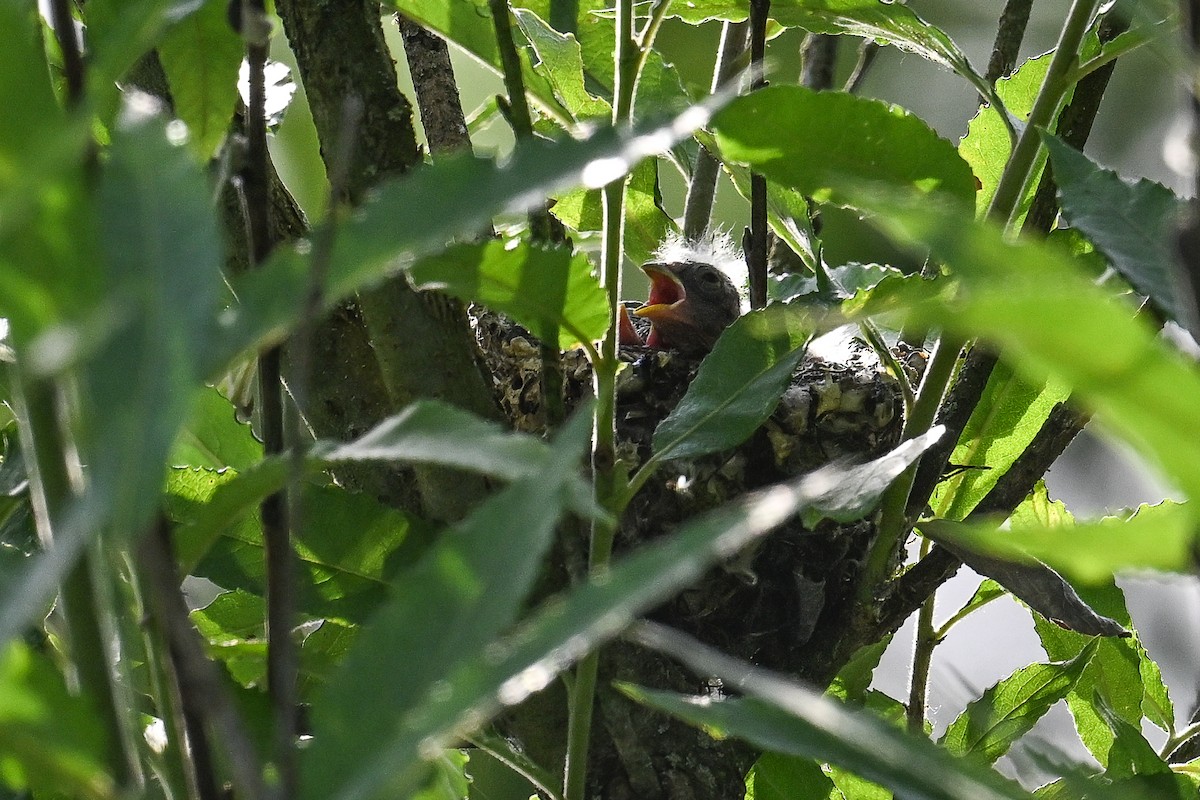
<point>437,92</point>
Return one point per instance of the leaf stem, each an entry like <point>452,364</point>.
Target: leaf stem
<point>604,453</point>
<point>926,639</point>
<point>755,243</point>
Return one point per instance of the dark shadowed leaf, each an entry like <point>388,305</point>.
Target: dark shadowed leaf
<point>1043,589</point>
<point>466,589</point>
<point>815,141</point>
<point>549,290</point>
<point>1131,224</point>
<point>563,630</point>
<point>1009,709</point>
<point>738,385</point>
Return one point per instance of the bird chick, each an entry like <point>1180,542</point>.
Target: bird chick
<point>692,299</point>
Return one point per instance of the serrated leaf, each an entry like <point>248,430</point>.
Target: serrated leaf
<point>509,670</point>
<point>807,724</point>
<point>549,290</point>
<point>1130,753</point>
<point>1159,537</point>
<point>1131,224</point>
<point>466,589</point>
<point>816,141</point>
<point>201,56</point>
<point>738,385</point>
<point>853,680</point>
<point>1010,708</point>
<point>560,62</point>
<point>987,144</point>
<point>646,224</point>
<point>1039,509</point>
<point>892,23</point>
<point>1010,413</point>
<point>214,437</point>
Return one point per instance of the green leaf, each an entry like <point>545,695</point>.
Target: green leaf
<point>1130,753</point>
<point>779,777</point>
<point>1010,708</point>
<point>417,214</point>
<point>1039,509</point>
<point>50,741</point>
<point>560,62</point>
<point>853,680</point>
<point>201,56</point>
<point>433,432</point>
<point>1131,224</point>
<point>815,141</point>
<point>1049,319</point>
<point>549,290</point>
<point>1009,415</point>
<point>804,723</point>
<point>507,671</point>
<point>465,590</point>
<point>987,145</point>
<point>738,385</point>
<point>854,787</point>
<point>892,23</point>
<point>1113,674</point>
<point>987,591</point>
<point>646,224</point>
<point>213,436</point>
<point>1160,537</point>
<point>349,547</point>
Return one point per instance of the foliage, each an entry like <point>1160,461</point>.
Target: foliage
<point>402,636</point>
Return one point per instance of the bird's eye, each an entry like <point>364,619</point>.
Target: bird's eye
<point>709,277</point>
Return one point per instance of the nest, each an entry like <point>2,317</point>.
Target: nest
<point>766,604</point>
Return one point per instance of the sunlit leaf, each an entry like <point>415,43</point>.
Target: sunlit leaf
<point>561,64</point>
<point>646,224</point>
<point>50,741</point>
<point>201,56</point>
<point>1010,708</point>
<point>549,290</point>
<point>816,141</point>
<point>214,437</point>
<point>780,777</point>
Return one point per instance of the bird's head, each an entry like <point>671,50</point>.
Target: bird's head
<point>690,304</point>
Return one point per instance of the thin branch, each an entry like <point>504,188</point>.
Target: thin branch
<point>68,45</point>
<point>755,238</point>
<point>697,207</point>
<point>819,59</point>
<point>201,690</point>
<point>925,642</point>
<point>867,53</point>
<point>1014,19</point>
<point>282,658</point>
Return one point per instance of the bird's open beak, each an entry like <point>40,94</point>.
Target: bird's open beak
<point>666,293</point>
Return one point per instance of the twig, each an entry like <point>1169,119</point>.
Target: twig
<point>68,45</point>
<point>697,207</point>
<point>200,685</point>
<point>819,59</point>
<point>1009,35</point>
<point>867,53</point>
<point>755,240</point>
<point>925,643</point>
<point>282,659</point>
